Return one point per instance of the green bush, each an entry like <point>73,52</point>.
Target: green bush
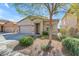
<point>76,36</point>
<point>71,44</point>
<point>44,33</point>
<point>64,36</point>
<point>26,41</point>
<point>63,31</point>
<point>44,47</point>
<point>44,37</point>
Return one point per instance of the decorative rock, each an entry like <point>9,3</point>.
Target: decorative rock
<point>5,52</point>
<point>59,35</point>
<point>15,53</point>
<point>9,52</point>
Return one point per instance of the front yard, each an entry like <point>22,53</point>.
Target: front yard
<point>62,47</point>
<point>35,48</point>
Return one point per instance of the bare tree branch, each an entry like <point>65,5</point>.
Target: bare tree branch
<point>48,7</point>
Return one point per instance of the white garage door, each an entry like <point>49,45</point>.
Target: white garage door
<point>27,29</point>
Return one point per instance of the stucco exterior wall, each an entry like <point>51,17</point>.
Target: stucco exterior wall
<point>69,20</point>
<point>26,26</point>
<point>26,22</point>
<point>41,24</point>
<point>10,27</point>
<point>29,23</point>
<point>46,26</point>
<point>0,28</point>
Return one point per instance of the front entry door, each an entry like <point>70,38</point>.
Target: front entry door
<point>1,28</point>
<point>37,28</point>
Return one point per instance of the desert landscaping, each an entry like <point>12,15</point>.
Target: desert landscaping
<point>43,30</point>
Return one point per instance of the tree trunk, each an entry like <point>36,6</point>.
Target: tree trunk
<point>50,32</point>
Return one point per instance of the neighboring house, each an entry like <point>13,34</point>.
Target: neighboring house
<point>69,20</point>
<point>8,26</point>
<point>36,25</point>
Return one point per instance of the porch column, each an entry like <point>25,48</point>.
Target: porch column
<point>41,27</point>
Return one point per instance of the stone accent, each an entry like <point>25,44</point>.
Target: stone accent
<point>10,52</point>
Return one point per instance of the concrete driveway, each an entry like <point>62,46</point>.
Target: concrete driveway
<point>12,36</point>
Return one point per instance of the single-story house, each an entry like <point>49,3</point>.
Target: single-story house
<point>30,25</point>
<point>36,25</point>
<point>8,26</point>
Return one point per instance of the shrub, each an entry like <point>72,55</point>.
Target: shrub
<point>72,31</point>
<point>44,37</point>
<point>26,41</point>
<point>44,47</point>
<point>76,36</point>
<point>69,30</point>
<point>45,33</point>
<point>71,44</point>
<point>63,31</point>
<point>64,36</point>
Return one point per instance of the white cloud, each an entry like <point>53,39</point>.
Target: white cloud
<point>1,12</point>
<point>1,16</point>
<point>6,4</point>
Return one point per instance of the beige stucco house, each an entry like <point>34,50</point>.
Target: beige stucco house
<point>69,20</point>
<point>8,26</point>
<point>35,25</point>
<point>30,25</point>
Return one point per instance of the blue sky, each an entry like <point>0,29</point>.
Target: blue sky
<point>8,12</point>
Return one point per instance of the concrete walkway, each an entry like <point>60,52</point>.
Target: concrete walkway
<point>5,50</point>
<point>3,40</point>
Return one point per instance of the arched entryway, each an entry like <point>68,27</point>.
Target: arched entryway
<point>1,28</point>
<point>37,28</point>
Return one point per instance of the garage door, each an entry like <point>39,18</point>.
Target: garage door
<point>9,29</point>
<point>27,29</point>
